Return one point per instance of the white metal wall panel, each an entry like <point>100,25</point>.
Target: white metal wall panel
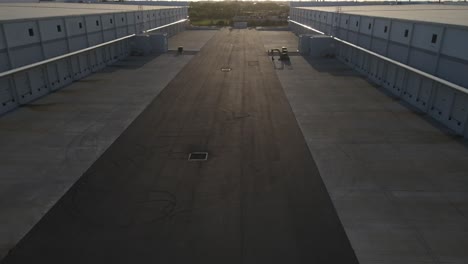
<point>52,29</point>
<point>366,25</point>
<point>3,43</point>
<point>121,32</point>
<point>459,114</point>
<point>364,41</point>
<point>411,91</point>
<point>109,35</point>
<point>441,105</point>
<point>22,87</point>
<point>107,54</point>
<point>354,20</point>
<point>423,37</point>
<point>353,58</point>
<point>161,20</point>
<point>379,46</point>
<point>95,38</point>
<point>125,48</point>
<point>424,95</point>
<point>342,34</point>
<point>158,17</point>
<point>7,97</point>
<point>107,22</point>
<point>117,51</point>
<point>329,18</point>
<point>379,28</point>
<point>455,43</point>
<point>361,61</point>
<point>380,71</point>
<point>4,65</point>
<point>64,71</point>
<point>93,23</point>
<point>398,31</point>
<point>399,83</point>
<point>389,76</point>
<point>19,33</point>
<point>352,37</point>
<point>321,17</point>
<point>120,20</point>
<point>26,55</point>
<point>131,29</point>
<point>55,48</point>
<point>5,92</point>
<point>100,58</point>
<point>138,17</point>
<point>373,67</point>
<point>79,42</point>
<point>93,61</point>
<point>84,64</point>
<point>367,62</point>
<point>75,66</point>
<point>336,19</point>
<point>422,60</point>
<point>153,16</point>
<point>454,71</point>
<point>343,51</point>
<point>328,29</point>
<point>53,76</point>
<point>147,25</point>
<point>397,52</point>
<point>114,52</point>
<point>75,26</point>
<point>146,16</point>
<point>344,21</point>
<point>38,82</point>
<point>130,18</point>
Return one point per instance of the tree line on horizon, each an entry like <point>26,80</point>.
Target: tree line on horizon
<point>222,13</point>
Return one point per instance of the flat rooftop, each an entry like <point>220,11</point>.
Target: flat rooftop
<point>13,11</point>
<point>106,158</point>
<point>434,13</point>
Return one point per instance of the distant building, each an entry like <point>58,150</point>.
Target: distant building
<point>240,25</point>
<point>19,1</point>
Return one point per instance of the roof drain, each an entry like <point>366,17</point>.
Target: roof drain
<point>198,156</point>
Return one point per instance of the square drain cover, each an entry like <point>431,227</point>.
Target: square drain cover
<point>198,156</point>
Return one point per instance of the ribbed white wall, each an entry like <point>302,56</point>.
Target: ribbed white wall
<point>23,42</point>
<point>436,49</point>
<point>409,42</point>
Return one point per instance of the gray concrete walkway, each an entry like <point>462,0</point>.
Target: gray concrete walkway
<point>398,181</point>
<point>47,145</point>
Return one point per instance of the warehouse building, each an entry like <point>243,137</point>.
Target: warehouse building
<point>41,33</point>
<point>430,39</point>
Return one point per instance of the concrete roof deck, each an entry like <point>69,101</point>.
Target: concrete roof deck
<point>398,181</point>
<point>14,11</point>
<point>259,197</point>
<point>63,133</point>
<point>434,13</point>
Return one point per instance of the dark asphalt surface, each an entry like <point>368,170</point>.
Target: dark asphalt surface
<point>258,199</point>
